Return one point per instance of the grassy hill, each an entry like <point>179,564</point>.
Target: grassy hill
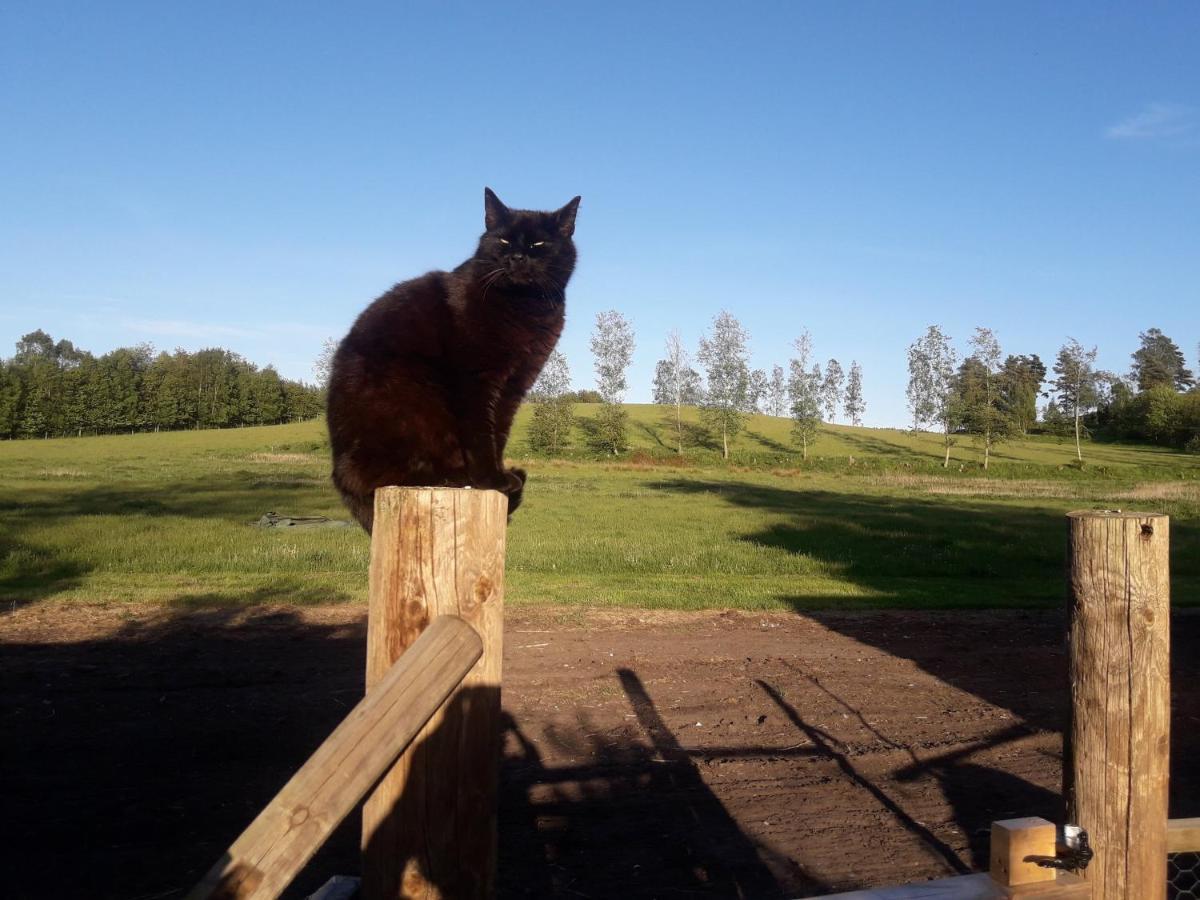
<point>168,518</point>
<point>767,440</point>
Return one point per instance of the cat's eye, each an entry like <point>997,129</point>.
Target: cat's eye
<point>537,243</point>
<point>503,241</point>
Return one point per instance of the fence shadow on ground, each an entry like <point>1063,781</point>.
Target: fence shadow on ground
<point>169,735</point>
<point>636,820</point>
<point>896,546</point>
<point>189,723</point>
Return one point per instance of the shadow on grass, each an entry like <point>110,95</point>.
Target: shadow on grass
<point>31,571</point>
<point>868,445</point>
<point>770,443</point>
<point>593,439</point>
<point>927,552</point>
<point>654,434</point>
<point>290,591</point>
<point>240,497</point>
<point>968,557</point>
<point>699,435</point>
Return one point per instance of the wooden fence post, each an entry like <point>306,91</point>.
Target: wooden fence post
<point>429,828</point>
<point>1116,765</point>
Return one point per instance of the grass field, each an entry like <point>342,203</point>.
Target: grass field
<point>167,518</point>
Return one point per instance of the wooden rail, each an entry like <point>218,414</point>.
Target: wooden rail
<point>262,862</point>
<point>1183,836</point>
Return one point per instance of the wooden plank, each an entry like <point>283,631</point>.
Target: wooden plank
<point>1116,765</point>
<point>1183,836</point>
<point>1013,842</point>
<point>429,828</point>
<point>262,862</point>
<point>974,887</point>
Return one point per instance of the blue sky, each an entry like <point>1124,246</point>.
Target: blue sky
<point>252,175</point>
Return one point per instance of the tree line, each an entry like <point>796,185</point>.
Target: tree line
<point>53,388</point>
<point>1157,401</point>
<point>726,393</point>
<point>984,392</point>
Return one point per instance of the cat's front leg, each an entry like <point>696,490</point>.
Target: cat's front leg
<point>477,436</point>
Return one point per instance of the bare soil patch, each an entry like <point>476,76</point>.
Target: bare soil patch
<point>646,754</point>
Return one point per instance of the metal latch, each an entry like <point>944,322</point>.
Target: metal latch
<point>1074,852</point>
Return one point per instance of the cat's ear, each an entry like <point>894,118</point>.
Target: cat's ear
<point>566,217</point>
<point>494,212</point>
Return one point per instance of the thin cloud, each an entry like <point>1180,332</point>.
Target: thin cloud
<point>1158,121</point>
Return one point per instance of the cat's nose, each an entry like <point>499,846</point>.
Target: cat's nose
<point>517,257</point>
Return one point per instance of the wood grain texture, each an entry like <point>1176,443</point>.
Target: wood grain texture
<point>262,862</point>
<point>1116,766</point>
<point>429,828</point>
<point>1013,842</point>
<point>1183,836</point>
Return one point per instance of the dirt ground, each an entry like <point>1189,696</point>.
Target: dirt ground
<point>646,754</point>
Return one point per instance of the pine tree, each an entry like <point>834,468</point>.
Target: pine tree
<point>10,398</point>
<point>1020,385</point>
<point>1159,362</point>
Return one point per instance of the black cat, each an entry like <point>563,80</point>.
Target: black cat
<point>425,386</point>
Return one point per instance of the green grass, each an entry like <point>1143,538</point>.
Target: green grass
<point>167,518</point>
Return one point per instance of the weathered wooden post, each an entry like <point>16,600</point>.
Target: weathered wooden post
<point>429,828</point>
<point>1116,766</point>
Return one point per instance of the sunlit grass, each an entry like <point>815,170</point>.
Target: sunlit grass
<point>169,518</point>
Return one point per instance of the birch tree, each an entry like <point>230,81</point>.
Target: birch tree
<point>982,409</point>
<point>676,383</point>
<point>553,411</point>
<point>804,394</point>
<point>777,395</point>
<point>931,398</point>
<point>831,389</point>
<point>323,365</point>
<point>756,391</point>
<point>723,355</point>
<point>1076,383</point>
<point>854,405</point>
<point>612,349</point>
